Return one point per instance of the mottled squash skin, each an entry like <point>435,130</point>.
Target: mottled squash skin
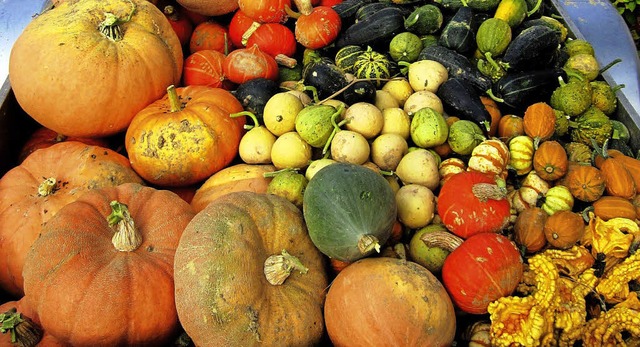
<point>222,295</point>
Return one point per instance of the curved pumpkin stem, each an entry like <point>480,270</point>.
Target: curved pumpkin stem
<point>251,115</point>
<point>110,26</point>
<point>278,267</point>
<point>127,238</point>
<point>24,332</point>
<point>336,128</point>
<point>441,239</point>
<point>174,99</point>
<point>250,30</point>
<point>486,191</point>
<point>48,187</point>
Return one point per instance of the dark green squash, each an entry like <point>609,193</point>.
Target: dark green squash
<point>349,210</point>
<point>458,65</point>
<point>424,20</point>
<point>533,48</point>
<point>324,76</point>
<point>346,56</point>
<point>376,29</point>
<point>255,93</point>
<point>459,33</point>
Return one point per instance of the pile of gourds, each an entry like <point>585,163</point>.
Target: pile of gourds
<point>354,173</point>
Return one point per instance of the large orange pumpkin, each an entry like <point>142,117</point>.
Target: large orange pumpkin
<point>85,68</point>
<point>388,302</point>
<point>34,191</point>
<point>209,7</point>
<point>186,136</point>
<point>102,272</point>
<point>234,244</point>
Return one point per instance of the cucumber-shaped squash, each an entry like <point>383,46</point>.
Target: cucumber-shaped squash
<point>512,11</point>
<point>459,98</point>
<point>518,90</point>
<point>349,211</point>
<point>348,8</point>
<point>458,65</point>
<point>533,48</point>
<point>324,76</point>
<point>459,33</point>
<point>478,5</point>
<point>375,30</point>
<point>424,20</point>
<point>369,9</point>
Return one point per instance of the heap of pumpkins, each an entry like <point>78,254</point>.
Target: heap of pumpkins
<point>147,210</point>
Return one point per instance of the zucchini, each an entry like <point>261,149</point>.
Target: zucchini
<point>460,98</point>
<point>533,48</point>
<point>375,30</point>
<point>517,90</point>
<point>458,66</point>
<point>459,33</point>
<point>324,76</point>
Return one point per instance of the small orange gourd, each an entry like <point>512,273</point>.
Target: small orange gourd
<point>528,229</point>
<point>539,121</point>
<point>510,126</point>
<point>618,180</point>
<point>585,182</point>
<point>563,229</point>
<point>608,207</point>
<point>550,160</point>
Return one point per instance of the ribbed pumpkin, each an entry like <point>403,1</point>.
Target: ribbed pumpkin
<point>372,64</point>
<point>230,244</point>
<point>490,156</point>
<point>186,136</point>
<point>85,68</point>
<point>557,198</point>
<point>607,207</point>
<point>539,121</point>
<point>21,322</point>
<point>618,180</point>
<point>528,229</point>
<point>404,305</point>
<point>585,182</point>
<point>34,191</point>
<point>105,263</point>
<point>521,149</point>
<point>563,229</point>
<point>550,160</point>
<point>510,126</point>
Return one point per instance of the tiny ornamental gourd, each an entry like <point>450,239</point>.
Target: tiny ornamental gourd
<point>585,182</point>
<point>490,156</point>
<point>539,121</point>
<point>168,139</point>
<point>531,189</point>
<point>522,150</point>
<point>528,229</point>
<point>608,207</point>
<point>550,160</point>
<point>557,198</point>
<point>316,27</point>
<point>478,270</point>
<point>618,180</point>
<point>349,210</point>
<point>563,229</point>
<point>472,202</point>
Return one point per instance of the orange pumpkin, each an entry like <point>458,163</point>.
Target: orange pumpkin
<point>608,207</point>
<point>510,126</point>
<point>618,180</point>
<point>563,229</point>
<point>550,160</point>
<point>585,182</point>
<point>85,68</point>
<point>168,140</point>
<point>238,177</point>
<point>44,137</point>
<point>631,164</point>
<point>27,329</point>
<point>268,280</point>
<point>528,229</point>
<point>539,121</point>
<point>385,301</point>
<point>105,264</point>
<point>492,107</point>
<point>210,8</point>
<point>34,191</point>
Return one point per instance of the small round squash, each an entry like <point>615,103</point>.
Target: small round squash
<point>563,229</point>
<point>550,160</point>
<point>528,229</point>
<point>226,262</point>
<point>388,302</point>
<point>539,121</point>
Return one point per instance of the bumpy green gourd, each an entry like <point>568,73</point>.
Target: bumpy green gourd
<point>604,97</point>
<point>572,98</point>
<point>562,123</point>
<point>426,19</point>
<point>464,136</point>
<point>578,152</point>
<point>593,124</point>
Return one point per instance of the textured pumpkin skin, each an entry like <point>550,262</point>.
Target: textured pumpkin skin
<point>26,310</point>
<point>228,243</point>
<point>585,182</point>
<point>463,213</point>
<point>238,177</point>
<point>385,301</point>
<point>167,148</point>
<point>108,297</point>
<point>43,138</point>
<point>210,8</point>
<point>77,168</point>
<point>74,80</point>
<point>482,269</point>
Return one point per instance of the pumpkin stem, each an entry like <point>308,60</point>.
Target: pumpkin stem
<point>304,7</point>
<point>110,26</point>
<point>291,13</point>
<point>285,61</point>
<point>174,99</point>
<point>441,239</point>
<point>610,65</point>
<point>250,30</point>
<point>486,191</point>
<point>60,138</point>
<point>48,187</point>
<point>493,97</point>
<point>24,332</point>
<point>256,123</point>
<point>368,243</point>
<point>534,9</point>
<point>126,238</point>
<point>275,173</point>
<point>278,267</point>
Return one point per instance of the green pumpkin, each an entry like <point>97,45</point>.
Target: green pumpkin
<point>349,211</point>
<point>373,65</point>
<point>464,136</point>
<point>346,56</point>
<point>405,46</point>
